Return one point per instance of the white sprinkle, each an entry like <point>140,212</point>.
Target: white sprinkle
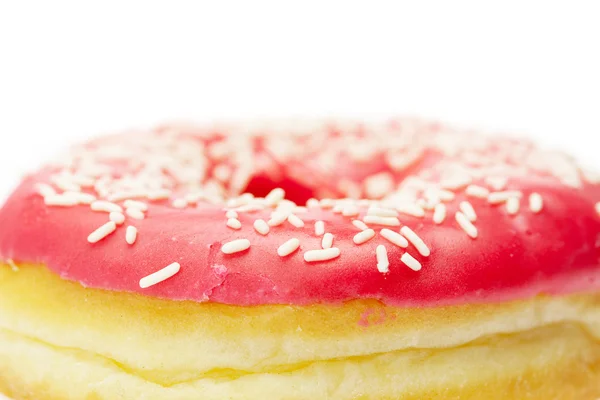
<point>124,195</point>
<point>364,202</point>
<point>102,232</point>
<point>513,205</point>
<point>350,211</point>
<point>261,226</point>
<point>327,203</point>
<point>321,255</point>
<point>382,212</point>
<point>319,228</point>
<point>288,247</point>
<point>338,208</point>
<point>234,223</point>
<point>235,246</point>
<point>501,197</point>
<point>456,182</point>
<point>275,196</point>
<point>436,194</point>
<point>247,197</point>
<point>160,275</point>
<point>116,217</point>
<point>160,194</point>
<point>411,209</point>
<point>496,182</point>
<point>213,198</point>
<point>378,185</point>
<point>192,198</point>
<point>179,203</point>
<point>468,210</point>
<point>536,202</point>
<point>394,237</point>
<point>135,204</point>
<point>327,241</point>
<point>286,206</point>
<point>387,221</point>
<point>439,214</point>
<point>231,214</point>
<point>364,236</point>
<point>80,197</point>
<point>446,195</point>
<point>359,224</point>
<point>416,241</point>
<point>59,201</point>
<point>312,203</point>
<point>45,190</point>
<point>247,208</point>
<point>277,218</point>
<point>233,202</point>
<point>131,234</point>
<point>466,225</point>
<point>597,207</point>
<point>428,204</point>
<point>477,191</point>
<point>222,172</point>
<point>300,210</point>
<point>383,263</point>
<point>14,267</point>
<point>83,180</point>
<point>105,206</point>
<point>134,213</point>
<point>411,262</point>
<point>295,220</point>
<point>63,183</point>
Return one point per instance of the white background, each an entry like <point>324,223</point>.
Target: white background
<point>69,70</point>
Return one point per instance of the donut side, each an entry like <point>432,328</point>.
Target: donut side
<point>121,345</point>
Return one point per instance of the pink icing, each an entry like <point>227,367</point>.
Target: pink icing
<point>555,251</point>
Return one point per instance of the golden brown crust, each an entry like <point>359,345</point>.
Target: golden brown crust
<point>116,345</point>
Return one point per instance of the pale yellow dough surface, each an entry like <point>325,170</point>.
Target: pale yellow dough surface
<point>59,340</point>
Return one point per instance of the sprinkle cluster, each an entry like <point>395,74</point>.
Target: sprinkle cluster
<point>425,172</point>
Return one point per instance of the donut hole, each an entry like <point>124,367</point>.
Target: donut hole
<point>295,191</point>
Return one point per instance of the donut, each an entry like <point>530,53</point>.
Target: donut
<point>406,259</point>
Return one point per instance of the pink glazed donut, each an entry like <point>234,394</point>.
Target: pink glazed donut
<point>304,260</point>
